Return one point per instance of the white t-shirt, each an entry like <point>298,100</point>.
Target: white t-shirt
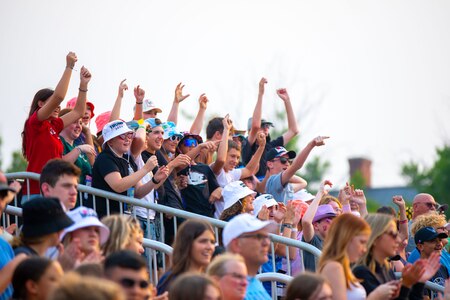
<point>150,197</point>
<point>223,179</point>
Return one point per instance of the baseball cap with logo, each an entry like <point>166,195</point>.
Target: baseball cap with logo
<point>234,191</point>
<point>279,151</point>
<point>428,234</point>
<point>113,129</point>
<point>150,105</point>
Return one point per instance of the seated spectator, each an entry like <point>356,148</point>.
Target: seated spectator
<point>83,154</point>
<point>125,233</point>
<point>309,286</point>
<point>43,221</point>
<point>129,270</point>
<point>194,286</point>
<point>316,223</point>
<point>43,124</point>
<point>35,278</point>
<point>59,179</point>
<point>238,199</point>
<point>429,244</point>
<point>230,271</point>
<point>71,286</point>
<point>192,251</point>
<point>249,237</point>
<point>373,268</point>
<point>344,245</point>
<point>281,172</point>
<point>88,230</point>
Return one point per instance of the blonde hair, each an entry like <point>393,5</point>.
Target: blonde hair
<point>326,199</point>
<point>342,230</point>
<point>122,231</point>
<point>379,223</point>
<point>432,220</point>
<point>218,266</point>
<point>75,287</point>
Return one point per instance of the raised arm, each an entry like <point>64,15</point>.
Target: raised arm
<point>252,167</point>
<point>256,118</point>
<point>359,197</point>
<point>308,228</point>
<point>80,106</point>
<point>197,125</point>
<point>60,91</point>
<point>210,146</point>
<point>301,158</point>
<point>218,164</point>
<point>179,97</point>
<point>292,122</point>
<point>403,221</point>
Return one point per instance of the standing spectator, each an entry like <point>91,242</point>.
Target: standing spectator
<point>422,204</point>
<point>43,124</point>
<point>249,237</point>
<point>85,119</point>
<point>256,125</point>
<point>192,251</point>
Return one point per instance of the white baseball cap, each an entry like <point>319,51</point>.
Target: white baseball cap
<point>244,223</point>
<point>264,199</point>
<point>150,105</point>
<point>85,217</point>
<point>234,191</point>
<point>113,129</point>
<point>303,195</point>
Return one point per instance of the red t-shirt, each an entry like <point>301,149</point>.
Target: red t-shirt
<point>42,144</point>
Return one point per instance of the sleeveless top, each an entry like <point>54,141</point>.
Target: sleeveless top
<point>356,292</point>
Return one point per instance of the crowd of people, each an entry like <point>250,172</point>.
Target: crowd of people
<point>71,245</point>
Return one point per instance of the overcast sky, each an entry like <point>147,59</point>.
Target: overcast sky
<point>373,75</point>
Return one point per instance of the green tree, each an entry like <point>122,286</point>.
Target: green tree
<point>434,180</point>
<point>314,170</point>
<point>357,180</point>
<point>18,164</point>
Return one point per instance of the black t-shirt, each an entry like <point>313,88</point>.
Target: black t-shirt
<point>201,183</point>
<point>105,164</point>
<point>249,150</point>
<point>170,194</point>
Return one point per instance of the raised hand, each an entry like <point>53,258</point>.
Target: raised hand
<point>322,187</point>
<point>283,94</point>
<point>227,123</point>
<point>263,214</point>
<point>290,214</point>
<point>85,75</point>
<point>122,87</point>
<point>151,163</point>
<point>279,212</point>
<point>261,139</point>
<point>71,59</point>
<point>139,94</point>
<point>359,197</point>
<point>345,194</point>
<point>398,200</point>
<point>203,101</point>
<point>179,97</point>
<point>181,161</point>
<point>262,83</point>
<point>319,141</point>
<point>210,146</point>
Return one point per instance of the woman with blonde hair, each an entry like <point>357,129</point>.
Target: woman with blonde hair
<point>345,243</point>
<point>125,234</point>
<point>374,269</point>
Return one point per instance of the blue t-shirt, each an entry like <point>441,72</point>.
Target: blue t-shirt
<point>268,267</point>
<point>255,290</point>
<point>6,255</point>
<point>445,257</point>
<point>277,190</point>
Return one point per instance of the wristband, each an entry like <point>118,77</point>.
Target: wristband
<point>141,126</point>
<point>403,221</point>
<point>79,150</point>
<point>154,181</point>
<point>288,225</point>
<point>69,67</point>
<point>140,102</point>
<point>84,91</point>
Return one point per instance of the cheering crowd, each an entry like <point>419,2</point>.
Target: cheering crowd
<point>244,177</point>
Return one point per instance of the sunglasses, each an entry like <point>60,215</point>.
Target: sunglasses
<point>258,236</point>
<point>190,142</point>
<point>431,205</point>
<point>392,234</point>
<point>129,283</point>
<point>283,160</point>
<point>129,135</point>
<point>174,138</point>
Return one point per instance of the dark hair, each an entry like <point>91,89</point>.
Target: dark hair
<point>41,95</point>
<point>233,145</point>
<point>215,124</point>
<point>64,111</point>
<point>55,168</point>
<point>181,255</point>
<point>387,210</point>
<point>30,269</point>
<point>191,286</point>
<point>232,211</point>
<point>125,259</point>
<point>305,286</point>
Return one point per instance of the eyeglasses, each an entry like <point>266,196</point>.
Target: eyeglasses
<point>283,160</point>
<point>392,234</point>
<point>236,276</point>
<point>258,236</point>
<point>190,142</point>
<point>129,283</point>
<point>129,135</point>
<point>174,138</point>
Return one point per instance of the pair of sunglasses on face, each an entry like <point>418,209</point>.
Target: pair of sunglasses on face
<point>190,142</point>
